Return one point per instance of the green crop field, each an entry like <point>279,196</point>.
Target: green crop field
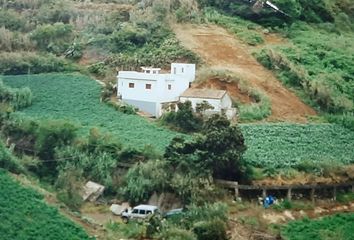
<point>76,97</point>
<point>285,145</point>
<point>339,227</point>
<point>24,215</point>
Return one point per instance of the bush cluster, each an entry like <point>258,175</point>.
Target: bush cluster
<point>16,63</point>
<point>15,98</point>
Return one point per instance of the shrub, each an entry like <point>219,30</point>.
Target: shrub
<point>54,38</point>
<point>346,120</point>
<point>131,230</point>
<point>11,20</point>
<point>184,119</point>
<point>69,185</point>
<point>55,11</point>
<point>212,230</point>
<point>11,41</point>
<point>144,179</point>
<point>16,63</point>
<point>98,69</point>
<point>96,157</point>
<point>173,233</point>
<point>345,198</point>
<point>8,161</point>
<point>217,152</point>
<point>238,26</point>
<point>255,111</point>
<point>124,108</point>
<point>16,98</point>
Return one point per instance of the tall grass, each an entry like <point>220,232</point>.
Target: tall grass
<point>16,98</point>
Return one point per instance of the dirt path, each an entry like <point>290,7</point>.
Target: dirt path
<point>221,50</point>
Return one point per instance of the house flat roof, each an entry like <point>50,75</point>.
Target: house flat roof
<point>203,93</point>
<point>150,68</point>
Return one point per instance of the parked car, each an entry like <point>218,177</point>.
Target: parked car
<point>139,212</point>
<point>173,213</point>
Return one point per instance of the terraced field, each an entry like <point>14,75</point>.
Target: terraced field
<point>285,145</point>
<point>339,227</point>
<point>76,97</point>
<point>25,216</point>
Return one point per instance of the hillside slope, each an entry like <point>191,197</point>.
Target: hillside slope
<point>221,50</point>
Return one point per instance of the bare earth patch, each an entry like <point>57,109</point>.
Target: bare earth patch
<point>222,50</point>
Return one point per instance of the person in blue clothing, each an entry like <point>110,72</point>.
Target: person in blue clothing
<point>269,200</point>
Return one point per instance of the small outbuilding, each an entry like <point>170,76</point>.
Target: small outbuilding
<point>219,100</point>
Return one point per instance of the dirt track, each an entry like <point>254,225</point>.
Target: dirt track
<point>221,50</point>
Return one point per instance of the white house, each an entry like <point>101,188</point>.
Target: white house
<point>149,90</point>
<point>218,99</point>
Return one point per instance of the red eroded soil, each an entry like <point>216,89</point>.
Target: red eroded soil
<point>232,89</point>
<point>222,50</point>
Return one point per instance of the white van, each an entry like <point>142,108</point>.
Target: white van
<point>139,212</point>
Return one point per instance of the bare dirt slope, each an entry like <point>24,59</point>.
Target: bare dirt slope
<point>220,49</point>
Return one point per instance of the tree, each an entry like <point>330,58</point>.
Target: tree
<point>184,119</point>
<point>217,151</point>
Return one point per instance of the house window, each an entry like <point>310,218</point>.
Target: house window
<point>147,86</point>
<point>131,85</point>
<point>182,70</point>
<point>169,86</point>
<point>174,70</point>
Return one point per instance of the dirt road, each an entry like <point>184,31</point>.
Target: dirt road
<point>221,50</point>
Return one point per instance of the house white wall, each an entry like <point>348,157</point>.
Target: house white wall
<point>187,70</point>
<point>220,105</point>
<point>216,103</point>
<point>162,87</point>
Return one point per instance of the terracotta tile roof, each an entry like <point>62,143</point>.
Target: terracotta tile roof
<point>203,93</point>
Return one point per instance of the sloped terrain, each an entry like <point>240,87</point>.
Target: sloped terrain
<point>33,219</point>
<point>221,50</point>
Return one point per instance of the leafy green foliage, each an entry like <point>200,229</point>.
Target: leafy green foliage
<point>39,138</point>
<point>184,119</point>
<point>16,63</point>
<point>212,230</point>
<point>287,145</point>
<point>77,98</point>
<point>339,226</point>
<point>143,179</point>
<point>345,198</point>
<point>16,98</point>
<point>69,186</point>
<point>131,230</point>
<point>97,159</point>
<point>317,65</point>
<point>25,209</point>
<point>246,31</point>
<point>53,38</point>
<point>218,151</point>
<point>206,222</point>
<point>255,111</point>
<point>174,233</point>
<point>11,20</point>
<point>124,108</point>
<point>313,11</point>
<point>8,161</point>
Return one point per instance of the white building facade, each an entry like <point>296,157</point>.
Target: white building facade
<point>219,100</point>
<point>149,90</point>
